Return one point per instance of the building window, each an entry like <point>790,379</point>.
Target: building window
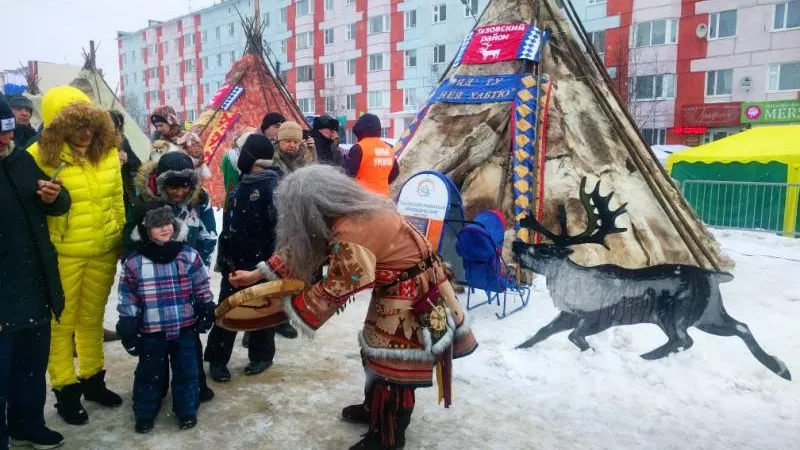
<point>596,2</point>
<point>330,70</point>
<point>305,40</point>
<point>329,36</point>
<point>165,46</point>
<point>219,60</point>
<point>598,40</point>
<point>188,40</point>
<point>304,7</point>
<point>783,77</point>
<point>205,36</point>
<point>471,8</point>
<point>206,88</point>
<point>350,2</point>
<point>233,56</point>
<point>656,32</point>
<point>378,61</point>
<point>328,4</point>
<point>189,66</point>
<point>190,90</point>
<point>787,16</point>
<point>166,70</point>
<point>218,33</point>
<point>351,66</point>
<point>283,46</point>
<point>266,19</point>
<point>411,58</point>
<point>305,73</point>
<point>351,32</point>
<point>719,82</point>
<point>284,14</point>
<point>306,105</point>
<point>378,100</point>
<point>439,54</point>
<point>231,30</point>
<point>410,98</point>
<point>722,24</point>
<point>654,87</point>
<point>410,19</point>
<point>205,63</point>
<point>655,136</point>
<point>439,13</point>
<point>379,24</point>
<point>351,102</point>
<point>330,105</point>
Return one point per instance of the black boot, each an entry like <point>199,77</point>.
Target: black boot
<point>95,390</point>
<point>356,414</point>
<point>68,404</point>
<point>43,439</point>
<point>286,330</point>
<point>372,441</point>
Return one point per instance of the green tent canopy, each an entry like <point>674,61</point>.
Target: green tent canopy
<point>766,158</point>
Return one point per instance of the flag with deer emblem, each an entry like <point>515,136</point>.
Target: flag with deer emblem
<point>495,43</point>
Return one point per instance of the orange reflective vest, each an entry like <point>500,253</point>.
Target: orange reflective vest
<point>377,161</point>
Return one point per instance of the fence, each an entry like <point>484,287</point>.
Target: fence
<point>745,205</point>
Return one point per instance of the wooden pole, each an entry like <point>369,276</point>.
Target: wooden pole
<point>258,14</point>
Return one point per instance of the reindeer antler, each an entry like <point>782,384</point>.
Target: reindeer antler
<point>600,220</point>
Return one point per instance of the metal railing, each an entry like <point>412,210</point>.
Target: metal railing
<point>745,205</point>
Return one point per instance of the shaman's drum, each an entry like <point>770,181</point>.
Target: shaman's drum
<point>257,307</point>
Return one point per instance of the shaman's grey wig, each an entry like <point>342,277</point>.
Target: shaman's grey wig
<point>308,201</point>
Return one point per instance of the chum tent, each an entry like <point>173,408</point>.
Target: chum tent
<point>517,122</point>
<point>91,82</point>
<point>251,90</point>
<point>767,155</point>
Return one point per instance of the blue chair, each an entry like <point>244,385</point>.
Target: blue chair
<point>480,245</point>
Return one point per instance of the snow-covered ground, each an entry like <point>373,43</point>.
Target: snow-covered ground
<point>713,396</point>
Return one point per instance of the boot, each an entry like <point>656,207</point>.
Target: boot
<point>372,441</point>
<point>356,414</point>
<point>68,404</point>
<point>109,335</point>
<point>95,390</point>
<point>43,439</point>
<point>286,330</point>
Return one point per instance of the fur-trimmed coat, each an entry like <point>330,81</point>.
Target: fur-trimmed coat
<point>395,344</point>
<point>93,226</point>
<point>196,212</point>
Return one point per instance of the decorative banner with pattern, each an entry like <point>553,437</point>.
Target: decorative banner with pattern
<point>525,177</point>
<point>477,89</point>
<point>401,143</point>
<point>496,43</point>
<point>222,124</point>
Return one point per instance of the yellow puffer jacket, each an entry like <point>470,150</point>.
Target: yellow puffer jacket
<point>94,224</point>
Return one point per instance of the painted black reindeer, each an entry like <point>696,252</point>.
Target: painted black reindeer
<point>593,299</point>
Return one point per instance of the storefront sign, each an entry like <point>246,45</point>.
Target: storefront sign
<point>477,89</point>
<point>711,115</point>
<point>783,111</point>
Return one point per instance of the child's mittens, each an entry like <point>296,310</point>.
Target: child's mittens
<point>205,317</point>
<point>128,331</point>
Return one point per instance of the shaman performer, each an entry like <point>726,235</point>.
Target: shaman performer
<point>414,321</point>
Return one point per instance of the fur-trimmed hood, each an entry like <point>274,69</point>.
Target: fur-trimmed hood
<point>64,110</point>
<point>151,187</point>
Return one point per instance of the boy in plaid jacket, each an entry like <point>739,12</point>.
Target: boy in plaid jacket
<point>164,301</point>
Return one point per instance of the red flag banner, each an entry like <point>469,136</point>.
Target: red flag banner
<point>495,43</point>
<point>223,123</point>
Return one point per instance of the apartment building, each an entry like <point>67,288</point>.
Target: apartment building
<point>695,71</point>
<point>340,57</point>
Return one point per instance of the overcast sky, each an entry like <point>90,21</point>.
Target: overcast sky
<point>57,30</point>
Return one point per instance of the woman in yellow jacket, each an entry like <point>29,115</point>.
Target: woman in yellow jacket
<point>79,137</point>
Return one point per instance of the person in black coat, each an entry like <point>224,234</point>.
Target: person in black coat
<point>129,161</point>
<point>248,237</point>
<point>325,132</point>
<point>23,111</point>
<point>30,290</point>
